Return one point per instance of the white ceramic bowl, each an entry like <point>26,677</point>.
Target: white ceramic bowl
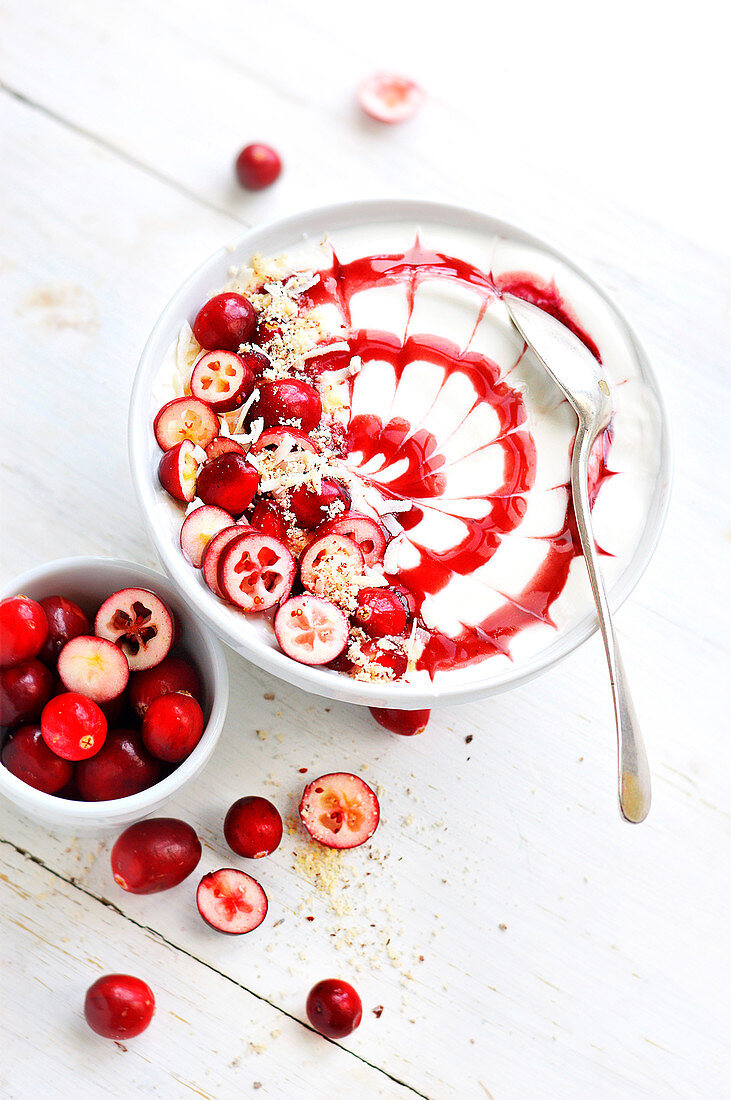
<point>88,581</point>
<point>161,514</point>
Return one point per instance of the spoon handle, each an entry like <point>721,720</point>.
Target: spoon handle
<point>634,771</point>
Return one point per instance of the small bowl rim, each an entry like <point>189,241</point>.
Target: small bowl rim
<point>318,680</point>
<point>135,804</point>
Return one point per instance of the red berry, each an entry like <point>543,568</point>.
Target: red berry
<point>253,827</point>
<point>27,756</point>
<point>381,612</point>
<point>231,901</point>
<point>213,552</point>
<point>139,623</point>
<point>361,529</point>
<point>228,482</point>
<point>390,98</point>
<point>155,855</point>
<point>73,726</point>
<point>65,620</point>
<point>172,674</point>
<point>121,768</point>
<point>223,379</point>
<point>94,667</point>
<point>24,691</point>
<point>339,810</point>
<point>311,630</point>
<point>225,322</point>
<point>311,508</point>
<point>267,518</point>
<point>405,722</point>
<point>119,1006</point>
<point>255,571</point>
<point>223,444</point>
<point>172,727</point>
<point>177,471</point>
<point>185,418</point>
<point>334,1008</point>
<point>202,525</point>
<point>23,630</point>
<point>327,562</point>
<point>290,401</point>
<point>257,166</point>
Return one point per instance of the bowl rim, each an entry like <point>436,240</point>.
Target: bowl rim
<point>39,802</point>
<point>321,681</point>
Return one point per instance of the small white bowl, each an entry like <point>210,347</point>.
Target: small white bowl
<point>88,581</point>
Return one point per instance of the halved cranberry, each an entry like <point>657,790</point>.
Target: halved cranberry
<point>255,571</point>
<point>185,418</point>
<point>257,166</point>
<point>231,901</point>
<point>66,620</point>
<point>312,508</point>
<point>27,756</point>
<point>405,722</point>
<point>225,321</point>
<point>311,630</point>
<point>213,553</point>
<point>119,1006</point>
<point>177,471</point>
<point>334,1008</point>
<point>223,444</point>
<point>172,727</point>
<point>390,98</point>
<point>267,518</point>
<point>94,667</point>
<point>23,630</point>
<point>253,827</point>
<point>24,691</point>
<point>228,482</point>
<point>139,623</point>
<point>339,810</point>
<point>223,379</point>
<point>122,767</point>
<point>381,612</point>
<point>361,529</point>
<point>73,726</point>
<point>199,528</point>
<point>172,674</point>
<point>155,855</point>
<point>271,439</point>
<point>327,562</point>
<point>288,401</point>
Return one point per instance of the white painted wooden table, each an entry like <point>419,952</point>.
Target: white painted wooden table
<point>522,941</point>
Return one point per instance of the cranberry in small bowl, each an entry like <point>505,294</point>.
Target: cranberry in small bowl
<point>32,782</point>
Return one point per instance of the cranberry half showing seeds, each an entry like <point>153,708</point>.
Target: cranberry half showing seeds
<point>339,810</point>
<point>231,901</point>
<point>139,623</point>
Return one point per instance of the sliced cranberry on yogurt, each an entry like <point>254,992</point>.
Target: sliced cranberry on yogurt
<point>185,418</point>
<point>223,444</point>
<point>291,439</point>
<point>329,561</point>
<point>223,379</point>
<point>339,810</point>
<point>213,553</point>
<point>361,529</point>
<point>311,630</point>
<point>256,571</point>
<point>198,530</point>
<point>178,471</point>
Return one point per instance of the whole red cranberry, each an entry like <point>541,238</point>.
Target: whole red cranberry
<point>172,727</point>
<point>228,482</point>
<point>334,1008</point>
<point>311,508</point>
<point>122,767</point>
<point>172,674</point>
<point>253,827</point>
<point>267,518</point>
<point>404,722</point>
<point>225,322</point>
<point>381,612</point>
<point>27,756</point>
<point>288,401</point>
<point>24,691</point>
<point>155,854</point>
<point>65,620</point>
<point>119,1006</point>
<point>257,166</point>
<point>23,630</point>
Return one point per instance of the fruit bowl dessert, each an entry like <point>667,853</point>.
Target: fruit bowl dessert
<point>357,473</point>
<point>112,696</point>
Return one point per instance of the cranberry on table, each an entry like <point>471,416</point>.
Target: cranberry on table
<point>24,691</point>
<point>288,400</point>
<point>253,827</point>
<point>172,674</point>
<point>225,322</point>
<point>228,482</point>
<point>73,726</point>
<point>258,166</point>
<point>155,855</point>
<point>311,508</point>
<point>381,612</point>
<point>23,630</point>
<point>334,1008</point>
<point>119,1006</point>
<point>172,726</point>
<point>66,620</point>
<point>121,768</point>
<point>405,722</point>
<point>339,810</point>
<point>27,756</point>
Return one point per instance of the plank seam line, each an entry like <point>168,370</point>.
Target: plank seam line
<point>109,147</point>
<point>176,947</point>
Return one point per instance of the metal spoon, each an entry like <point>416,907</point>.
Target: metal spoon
<point>578,374</point>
